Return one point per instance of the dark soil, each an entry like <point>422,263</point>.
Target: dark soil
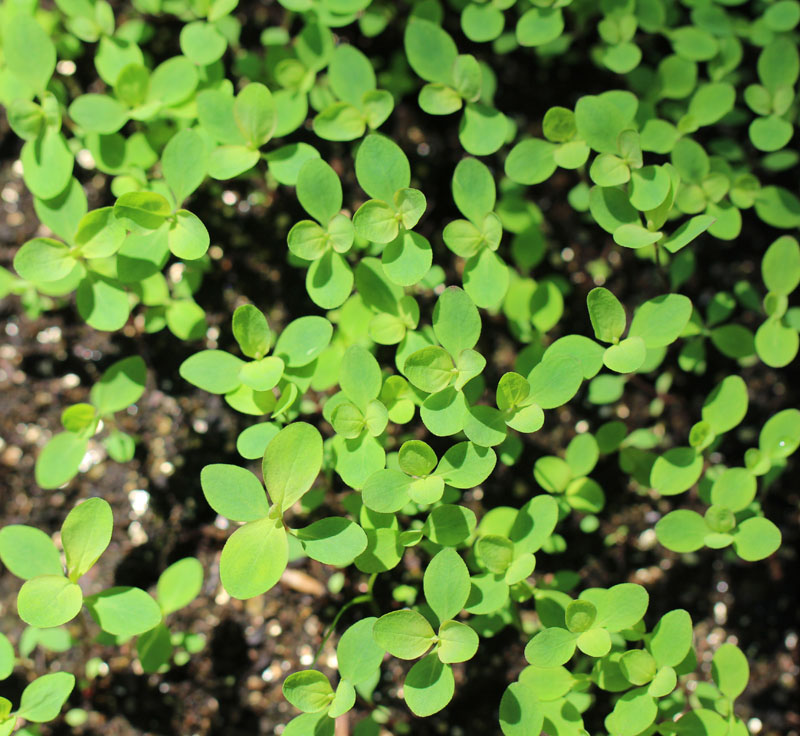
<point>233,686</point>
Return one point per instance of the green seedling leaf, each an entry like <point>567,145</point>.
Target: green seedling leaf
<point>254,558</point>
<point>607,315</point>
<point>730,670</point>
<point>520,712</point>
<point>473,189</point>
<point>551,647</point>
<point>255,114</point>
<point>292,462</point>
<point>682,531</point>
<point>404,634</point>
<point>381,167</point>
<point>234,492</point>
<point>632,713</point>
<point>124,611</point>
<point>60,460</point>
<point>85,534</point>
<point>756,539</point>
<point>627,356</point>
<point>179,585</point>
<point>734,488</point>
<point>726,405</point>
<point>594,642</point>
<point>555,381</point>
<point>43,699</point>
<point>202,42</point>
<point>430,50</point>
<point>28,552</point>
<point>49,600</point>
<point>28,51</point>
<point>309,691</point>
<point>672,638</point>
<point>96,113</point>
<point>622,607</point>
<point>430,369</point>
<point>429,686</point>
<point>120,386</point>
<point>43,260</point>
<point>251,330</point>
<point>638,666</point>
<point>580,616</point>
<point>214,371</point>
<point>319,190</point>
<point>6,658</point>
<point>446,584</point>
<point>416,458</point>
<point>303,340</point>
<point>676,471</point>
<point>141,211</point>
<point>450,525</point>
<point>154,648</point>
<point>780,266</point>
<point>184,162</point>
<point>358,654</point>
<point>457,642</point>
<point>333,541</point>
<point>188,238</point>
<point>456,322</point>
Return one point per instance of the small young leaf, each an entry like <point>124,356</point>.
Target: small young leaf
<point>85,534</point>
<point>310,691</point>
<point>551,647</point>
<point>254,558</point>
<point>457,642</point>
<point>292,462</point>
<point>124,611</point>
<point>446,584</point>
<point>28,552</point>
<point>179,584</point>
<point>49,600</point>
<point>730,670</point>
<point>404,634</point>
<point>234,492</point>
<point>429,686</point>
<point>357,652</point>
<point>43,699</point>
<point>606,313</point>
<point>251,331</point>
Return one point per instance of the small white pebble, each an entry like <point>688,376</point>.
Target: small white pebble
<point>10,195</point>
<point>70,381</point>
<point>85,159</point>
<point>66,67</point>
<point>49,335</point>
<point>137,533</point>
<point>139,500</point>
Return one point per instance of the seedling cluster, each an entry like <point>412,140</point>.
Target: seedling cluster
<point>441,342</point>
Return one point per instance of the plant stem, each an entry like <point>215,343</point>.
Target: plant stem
<point>365,598</point>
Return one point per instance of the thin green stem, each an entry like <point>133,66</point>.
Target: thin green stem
<point>365,598</point>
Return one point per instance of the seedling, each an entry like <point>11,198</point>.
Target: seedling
<point>409,409</point>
